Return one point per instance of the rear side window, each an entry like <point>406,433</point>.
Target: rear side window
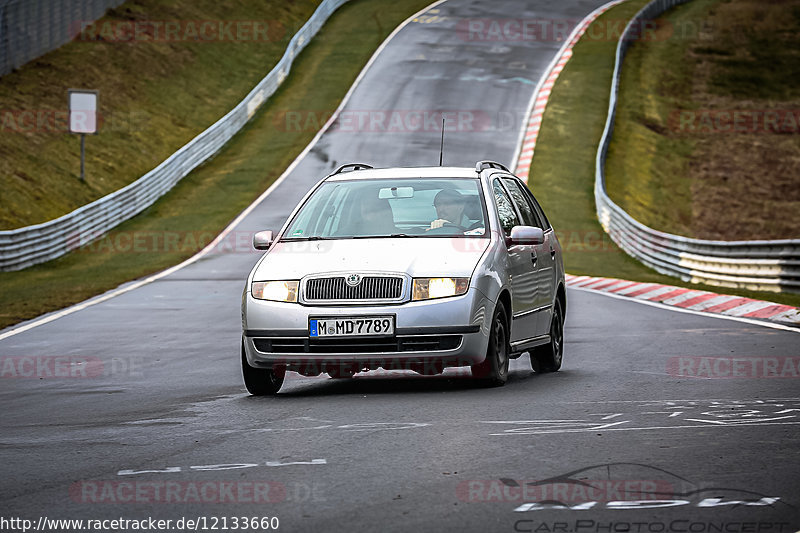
<point>529,216</point>
<point>538,209</point>
<point>545,222</point>
<point>505,208</point>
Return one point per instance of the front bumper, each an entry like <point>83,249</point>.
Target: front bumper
<point>429,335</point>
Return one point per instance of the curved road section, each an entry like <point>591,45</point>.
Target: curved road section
<point>659,421</point>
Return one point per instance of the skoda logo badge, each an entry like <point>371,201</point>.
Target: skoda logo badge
<point>353,280</point>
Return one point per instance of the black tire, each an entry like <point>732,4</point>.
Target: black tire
<point>261,381</point>
<point>548,358</point>
<point>493,371</point>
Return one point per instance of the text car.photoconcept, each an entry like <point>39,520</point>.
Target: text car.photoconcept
<point>406,268</point>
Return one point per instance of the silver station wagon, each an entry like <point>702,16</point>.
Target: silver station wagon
<point>406,268</point>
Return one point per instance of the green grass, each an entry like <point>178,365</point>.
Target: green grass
<point>154,97</point>
<point>760,51</point>
<point>562,174</point>
<point>660,195</point>
<point>204,202</point>
<point>672,171</point>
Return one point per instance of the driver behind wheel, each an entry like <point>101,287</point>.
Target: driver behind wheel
<point>449,204</point>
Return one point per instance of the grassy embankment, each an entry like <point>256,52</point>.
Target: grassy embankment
<point>206,200</point>
<point>155,94</point>
<point>707,140</point>
<point>562,175</point>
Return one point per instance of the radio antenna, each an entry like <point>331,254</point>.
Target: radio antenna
<point>441,146</point>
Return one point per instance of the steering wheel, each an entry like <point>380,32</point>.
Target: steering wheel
<point>448,225</point>
<point>454,225</point>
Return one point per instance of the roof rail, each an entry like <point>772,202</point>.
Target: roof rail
<point>480,165</point>
<point>350,167</point>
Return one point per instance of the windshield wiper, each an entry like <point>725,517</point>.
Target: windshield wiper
<point>312,238</point>
<point>391,236</point>
<point>347,237</point>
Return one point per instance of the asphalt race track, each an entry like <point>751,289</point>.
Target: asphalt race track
<point>620,440</point>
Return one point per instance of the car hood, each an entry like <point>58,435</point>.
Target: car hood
<point>416,256</point>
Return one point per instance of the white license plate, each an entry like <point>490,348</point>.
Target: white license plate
<point>351,326</point>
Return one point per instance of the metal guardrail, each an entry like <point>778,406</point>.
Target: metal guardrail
<point>31,28</point>
<point>23,247</point>
<point>757,265</point>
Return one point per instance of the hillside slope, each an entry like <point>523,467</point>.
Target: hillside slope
<point>157,90</point>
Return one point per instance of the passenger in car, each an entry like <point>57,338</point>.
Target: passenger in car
<point>377,217</point>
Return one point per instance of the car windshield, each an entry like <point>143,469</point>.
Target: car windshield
<point>391,208</point>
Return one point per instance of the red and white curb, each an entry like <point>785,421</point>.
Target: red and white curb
<point>542,93</point>
<point>689,299</point>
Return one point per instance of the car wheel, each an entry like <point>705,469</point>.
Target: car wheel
<point>261,381</point>
<point>493,371</point>
<point>547,358</point>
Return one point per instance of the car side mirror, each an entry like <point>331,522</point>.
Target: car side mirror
<point>526,235</point>
<point>262,240</point>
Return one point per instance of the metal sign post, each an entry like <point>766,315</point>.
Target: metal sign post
<point>82,118</point>
<point>83,155</point>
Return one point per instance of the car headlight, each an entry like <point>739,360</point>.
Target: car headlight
<point>429,288</point>
<point>278,291</point>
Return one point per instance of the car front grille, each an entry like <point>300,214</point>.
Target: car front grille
<point>370,288</point>
<point>402,343</point>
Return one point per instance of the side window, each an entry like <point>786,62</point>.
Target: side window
<point>529,216</point>
<point>508,216</point>
<point>539,210</point>
<point>321,214</point>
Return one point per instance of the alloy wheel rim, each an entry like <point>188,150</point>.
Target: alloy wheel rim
<point>556,334</point>
<point>500,346</point>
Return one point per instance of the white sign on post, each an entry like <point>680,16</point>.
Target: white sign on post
<point>82,111</point>
<point>82,118</point>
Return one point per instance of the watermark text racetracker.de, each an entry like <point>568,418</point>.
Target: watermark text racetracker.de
<point>726,367</point>
<point>178,31</point>
<point>206,492</point>
<point>392,120</point>
<point>657,526</point>
<point>734,121</point>
<point>567,491</point>
<point>177,492</point>
<point>160,242</point>
<point>558,30</point>
<point>400,121</point>
<point>69,367</point>
<point>27,121</point>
